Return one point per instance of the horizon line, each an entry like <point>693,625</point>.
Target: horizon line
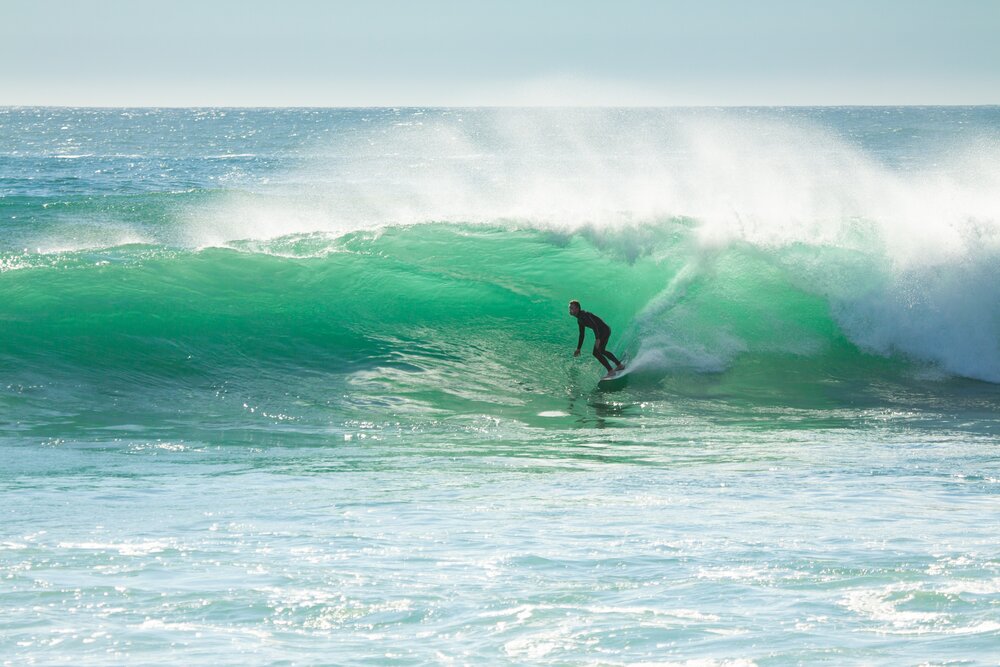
<point>502,106</point>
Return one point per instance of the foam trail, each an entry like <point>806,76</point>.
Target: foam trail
<point>658,349</point>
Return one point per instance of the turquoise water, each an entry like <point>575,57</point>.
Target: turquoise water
<point>297,386</point>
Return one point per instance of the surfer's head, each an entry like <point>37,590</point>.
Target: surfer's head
<point>574,307</point>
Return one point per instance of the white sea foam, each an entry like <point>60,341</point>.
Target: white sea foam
<point>881,606</point>
<point>157,625</point>
<point>759,181</point>
<point>143,548</point>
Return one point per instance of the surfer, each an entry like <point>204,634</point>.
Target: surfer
<point>602,332</point>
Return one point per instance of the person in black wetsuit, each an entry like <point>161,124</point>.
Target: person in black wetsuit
<point>602,332</point>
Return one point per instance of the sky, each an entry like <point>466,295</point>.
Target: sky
<point>496,53</point>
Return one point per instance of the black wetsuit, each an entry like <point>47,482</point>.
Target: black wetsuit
<point>602,332</point>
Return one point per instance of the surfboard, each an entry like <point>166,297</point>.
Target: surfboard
<point>614,380</point>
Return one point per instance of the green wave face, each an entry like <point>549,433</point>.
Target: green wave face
<point>418,298</point>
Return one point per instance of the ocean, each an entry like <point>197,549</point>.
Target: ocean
<point>297,386</point>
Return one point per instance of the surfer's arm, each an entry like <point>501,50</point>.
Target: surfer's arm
<point>579,343</point>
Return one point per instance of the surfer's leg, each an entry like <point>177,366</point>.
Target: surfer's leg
<point>614,359</point>
<point>604,352</point>
<point>599,353</point>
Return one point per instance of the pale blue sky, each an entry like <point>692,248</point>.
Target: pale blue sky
<point>446,52</point>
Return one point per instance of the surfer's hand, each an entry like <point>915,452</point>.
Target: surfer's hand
<point>577,353</point>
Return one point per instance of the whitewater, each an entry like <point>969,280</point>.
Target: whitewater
<point>296,386</point>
